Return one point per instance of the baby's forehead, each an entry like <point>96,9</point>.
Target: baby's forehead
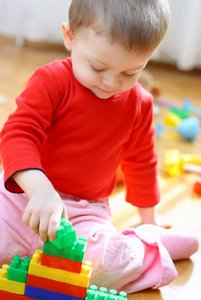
<point>100,50</point>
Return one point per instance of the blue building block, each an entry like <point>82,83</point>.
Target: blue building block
<point>41,294</point>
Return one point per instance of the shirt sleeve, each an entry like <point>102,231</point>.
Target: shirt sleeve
<point>139,162</point>
<point>25,130</point>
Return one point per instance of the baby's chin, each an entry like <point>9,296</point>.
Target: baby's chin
<point>102,94</point>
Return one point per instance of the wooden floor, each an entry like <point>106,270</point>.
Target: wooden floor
<point>178,205</point>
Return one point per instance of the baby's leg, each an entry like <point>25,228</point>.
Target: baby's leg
<point>15,237</point>
<point>120,260</point>
<point>178,245</point>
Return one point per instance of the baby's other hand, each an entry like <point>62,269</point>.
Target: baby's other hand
<point>163,223</point>
<point>43,213</point>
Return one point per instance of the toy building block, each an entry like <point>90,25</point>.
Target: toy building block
<point>61,263</point>
<point>82,279</point>
<point>56,286</point>
<point>65,235</point>
<point>93,293</point>
<point>18,269</point>
<point>176,162</point>
<point>37,293</point>
<point>10,296</point>
<point>10,285</point>
<point>75,252</point>
<point>51,277</point>
<point>66,244</point>
<point>180,112</point>
<point>171,119</point>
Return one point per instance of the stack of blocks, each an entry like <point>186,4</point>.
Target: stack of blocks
<point>57,272</point>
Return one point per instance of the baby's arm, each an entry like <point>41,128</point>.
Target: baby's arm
<point>45,207</point>
<point>147,215</point>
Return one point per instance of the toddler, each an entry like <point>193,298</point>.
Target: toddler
<point>75,122</point>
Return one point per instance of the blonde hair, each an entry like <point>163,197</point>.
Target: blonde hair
<point>134,24</point>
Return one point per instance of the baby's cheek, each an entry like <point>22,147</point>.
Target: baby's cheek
<point>86,78</point>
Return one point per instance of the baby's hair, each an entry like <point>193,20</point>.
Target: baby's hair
<point>137,25</point>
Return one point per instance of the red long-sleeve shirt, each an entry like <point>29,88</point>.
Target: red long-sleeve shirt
<point>78,140</point>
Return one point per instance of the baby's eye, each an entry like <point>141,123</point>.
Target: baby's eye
<point>130,75</point>
<point>97,69</point>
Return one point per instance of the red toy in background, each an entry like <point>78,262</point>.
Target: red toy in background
<point>197,187</point>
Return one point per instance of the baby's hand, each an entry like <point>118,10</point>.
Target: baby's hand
<point>163,223</point>
<point>147,216</point>
<point>43,213</point>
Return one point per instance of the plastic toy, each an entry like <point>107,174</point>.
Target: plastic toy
<point>188,129</point>
<point>197,187</point>
<point>55,272</point>
<point>187,106</point>
<point>176,162</point>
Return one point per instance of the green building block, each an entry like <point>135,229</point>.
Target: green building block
<point>180,112</point>
<point>93,293</point>
<point>66,244</point>
<point>18,269</point>
<point>65,235</point>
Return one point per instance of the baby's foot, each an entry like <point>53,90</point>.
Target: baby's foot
<point>178,245</point>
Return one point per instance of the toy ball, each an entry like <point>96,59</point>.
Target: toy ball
<point>189,128</point>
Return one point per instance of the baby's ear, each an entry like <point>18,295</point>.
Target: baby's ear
<point>67,36</point>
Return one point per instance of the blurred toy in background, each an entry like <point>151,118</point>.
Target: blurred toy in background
<point>175,162</point>
<point>187,129</point>
<point>197,187</point>
<point>147,81</point>
<point>188,106</point>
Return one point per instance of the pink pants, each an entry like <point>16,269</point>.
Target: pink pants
<point>123,260</point>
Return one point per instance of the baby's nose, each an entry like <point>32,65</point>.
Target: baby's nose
<point>110,81</point>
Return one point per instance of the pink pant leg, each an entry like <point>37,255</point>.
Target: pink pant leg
<point>15,237</point>
<point>120,260</point>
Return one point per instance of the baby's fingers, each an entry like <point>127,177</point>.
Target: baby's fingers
<point>26,217</point>
<point>54,223</point>
<point>43,228</point>
<point>34,222</point>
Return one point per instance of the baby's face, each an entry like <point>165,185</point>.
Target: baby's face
<point>104,68</point>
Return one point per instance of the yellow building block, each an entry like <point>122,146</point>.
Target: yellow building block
<point>11,286</point>
<point>173,165</point>
<point>82,279</point>
<point>175,161</point>
<point>192,159</point>
<point>171,119</point>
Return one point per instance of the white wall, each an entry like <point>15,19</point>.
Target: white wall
<point>39,20</point>
<point>36,20</point>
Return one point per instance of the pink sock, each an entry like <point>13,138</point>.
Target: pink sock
<point>178,245</point>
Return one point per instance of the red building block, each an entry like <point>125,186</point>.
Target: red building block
<point>10,296</point>
<point>56,286</point>
<point>60,263</point>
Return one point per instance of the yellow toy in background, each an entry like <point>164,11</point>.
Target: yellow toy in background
<point>175,162</point>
